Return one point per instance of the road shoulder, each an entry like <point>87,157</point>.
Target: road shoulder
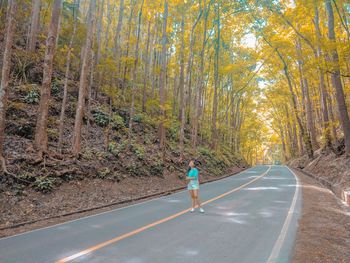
<point>324,227</point>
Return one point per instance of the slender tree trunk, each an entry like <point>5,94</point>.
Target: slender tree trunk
<point>41,140</point>
<point>125,71</point>
<point>65,87</point>
<point>342,108</point>
<point>162,77</point>
<point>134,78</point>
<point>109,22</point>
<point>5,74</point>
<point>324,107</point>
<point>101,6</point>
<point>307,103</point>
<point>201,78</point>
<point>182,89</point>
<point>84,80</point>
<point>34,25</point>
<point>216,81</point>
<point>119,28</point>
<point>146,70</point>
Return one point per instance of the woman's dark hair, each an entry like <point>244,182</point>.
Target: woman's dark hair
<point>195,162</point>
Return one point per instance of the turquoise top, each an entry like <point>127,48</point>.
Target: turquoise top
<point>193,174</point>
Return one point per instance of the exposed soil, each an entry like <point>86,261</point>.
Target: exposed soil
<point>327,165</point>
<point>324,228</point>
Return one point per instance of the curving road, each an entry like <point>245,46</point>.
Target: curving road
<point>250,217</point>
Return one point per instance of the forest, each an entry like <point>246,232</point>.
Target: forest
<point>87,84</point>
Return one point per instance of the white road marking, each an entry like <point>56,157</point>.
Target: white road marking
<point>278,245</point>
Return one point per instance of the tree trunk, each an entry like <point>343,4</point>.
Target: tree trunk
<point>324,107</point>
<point>216,81</point>
<point>132,108</point>
<point>201,79</point>
<point>125,71</point>
<point>162,77</point>
<point>34,25</point>
<point>5,74</point>
<point>182,89</point>
<point>83,80</point>
<point>146,71</point>
<point>65,87</point>
<point>119,28</point>
<point>41,140</point>
<point>99,29</point>
<point>342,108</point>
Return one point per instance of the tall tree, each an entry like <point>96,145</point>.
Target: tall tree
<point>34,25</point>
<point>41,138</point>
<point>66,80</point>
<point>162,83</point>
<point>182,88</point>
<point>134,73</point>
<point>5,74</point>
<point>336,80</point>
<point>85,69</point>
<point>214,135</point>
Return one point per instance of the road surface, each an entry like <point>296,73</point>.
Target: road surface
<point>249,217</point>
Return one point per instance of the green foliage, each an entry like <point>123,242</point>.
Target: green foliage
<point>88,154</point>
<point>138,150</point>
<point>118,121</point>
<point>113,148</point>
<point>27,176</point>
<point>116,149</point>
<point>101,118</point>
<point>157,168</point>
<point>205,152</point>
<point>134,169</point>
<point>151,121</point>
<point>103,173</point>
<point>174,130</point>
<point>55,87</point>
<point>138,118</point>
<point>32,97</point>
<point>44,184</point>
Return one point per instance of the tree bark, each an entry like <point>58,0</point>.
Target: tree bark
<point>336,80</point>
<point>146,70</point>
<point>324,107</point>
<point>216,81</point>
<point>5,74</point>
<point>83,80</point>
<point>41,140</point>
<point>65,87</point>
<point>162,78</point>
<point>34,25</point>
<point>182,89</point>
<point>133,87</point>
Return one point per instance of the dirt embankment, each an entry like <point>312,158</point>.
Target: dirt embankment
<point>324,228</point>
<point>331,170</point>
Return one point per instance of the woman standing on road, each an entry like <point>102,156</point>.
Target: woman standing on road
<point>193,185</point>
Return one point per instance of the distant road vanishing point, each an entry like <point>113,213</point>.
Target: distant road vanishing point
<point>250,217</point>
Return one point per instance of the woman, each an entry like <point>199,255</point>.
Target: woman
<point>193,186</point>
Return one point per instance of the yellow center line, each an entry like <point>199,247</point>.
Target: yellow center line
<point>141,229</point>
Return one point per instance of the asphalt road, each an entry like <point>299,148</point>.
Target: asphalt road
<point>249,217</point>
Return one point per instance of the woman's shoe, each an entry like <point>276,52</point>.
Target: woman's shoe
<point>201,210</point>
<point>192,210</point>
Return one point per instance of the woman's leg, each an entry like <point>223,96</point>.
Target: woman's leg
<point>196,197</point>
<point>192,198</point>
